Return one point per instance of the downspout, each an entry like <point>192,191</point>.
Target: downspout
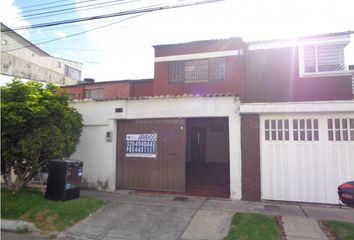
<point>83,91</point>
<point>244,96</point>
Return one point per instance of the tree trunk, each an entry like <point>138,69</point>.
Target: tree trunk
<point>13,184</point>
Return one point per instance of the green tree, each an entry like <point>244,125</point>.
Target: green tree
<point>37,125</point>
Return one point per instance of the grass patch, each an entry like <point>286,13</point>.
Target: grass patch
<point>246,226</point>
<point>340,230</point>
<point>30,205</point>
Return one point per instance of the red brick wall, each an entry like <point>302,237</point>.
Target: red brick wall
<point>114,89</point>
<point>233,75</point>
<point>250,154</point>
<point>232,83</point>
<point>142,88</point>
<point>273,76</point>
<point>75,90</point>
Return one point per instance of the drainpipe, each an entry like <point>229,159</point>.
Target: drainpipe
<point>245,88</point>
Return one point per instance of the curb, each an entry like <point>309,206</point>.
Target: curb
<point>16,226</point>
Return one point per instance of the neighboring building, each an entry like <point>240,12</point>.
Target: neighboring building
<point>269,120</point>
<point>110,89</point>
<point>297,119</point>
<point>21,58</point>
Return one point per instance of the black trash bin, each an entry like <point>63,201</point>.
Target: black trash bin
<point>64,178</point>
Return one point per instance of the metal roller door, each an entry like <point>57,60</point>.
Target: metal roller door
<point>305,157</point>
<point>160,170</point>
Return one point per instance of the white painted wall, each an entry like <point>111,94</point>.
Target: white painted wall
<point>99,157</point>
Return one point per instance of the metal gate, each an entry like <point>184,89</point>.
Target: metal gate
<point>305,157</point>
<point>158,169</point>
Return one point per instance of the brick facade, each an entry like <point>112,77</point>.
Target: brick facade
<point>232,83</point>
<point>273,76</point>
<point>250,154</point>
<point>261,75</point>
<point>234,72</point>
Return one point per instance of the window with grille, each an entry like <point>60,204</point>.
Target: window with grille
<point>327,56</point>
<point>324,58</point>
<point>176,72</point>
<point>198,70</point>
<point>340,129</point>
<point>96,93</point>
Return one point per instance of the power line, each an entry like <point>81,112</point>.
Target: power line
<point>69,10</point>
<point>75,26</point>
<point>42,4</point>
<point>57,6</point>
<point>75,34</point>
<point>129,12</point>
<point>64,27</point>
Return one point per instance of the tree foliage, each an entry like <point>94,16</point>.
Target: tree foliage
<point>37,125</point>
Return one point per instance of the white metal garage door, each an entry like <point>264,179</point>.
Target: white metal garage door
<point>305,157</point>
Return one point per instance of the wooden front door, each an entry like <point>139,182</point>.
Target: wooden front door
<point>165,171</point>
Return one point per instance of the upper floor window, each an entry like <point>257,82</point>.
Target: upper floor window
<point>72,72</point>
<point>95,93</point>
<point>325,57</point>
<point>198,70</point>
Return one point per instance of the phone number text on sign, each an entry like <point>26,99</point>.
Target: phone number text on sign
<point>141,145</point>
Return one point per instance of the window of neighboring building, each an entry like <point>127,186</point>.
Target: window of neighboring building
<point>326,57</point>
<point>198,70</point>
<point>72,72</point>
<point>95,93</point>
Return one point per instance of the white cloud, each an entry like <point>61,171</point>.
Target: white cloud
<point>59,34</point>
<point>11,16</point>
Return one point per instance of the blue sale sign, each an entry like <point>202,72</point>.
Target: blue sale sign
<point>141,145</point>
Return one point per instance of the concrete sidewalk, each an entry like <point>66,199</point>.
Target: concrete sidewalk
<point>302,228</point>
<point>161,217</point>
<point>141,216</point>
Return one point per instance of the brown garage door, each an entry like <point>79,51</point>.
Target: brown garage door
<point>141,170</point>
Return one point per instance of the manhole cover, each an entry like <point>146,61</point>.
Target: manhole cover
<point>271,207</point>
<point>180,199</point>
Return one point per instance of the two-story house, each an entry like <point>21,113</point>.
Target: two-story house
<point>23,59</point>
<point>225,118</point>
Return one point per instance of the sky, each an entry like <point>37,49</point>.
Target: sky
<point>122,47</point>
